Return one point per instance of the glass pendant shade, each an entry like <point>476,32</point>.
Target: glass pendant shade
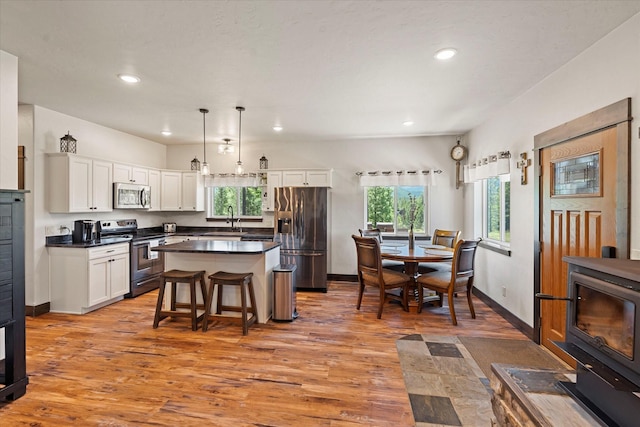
<point>205,168</point>
<point>226,147</point>
<point>239,168</point>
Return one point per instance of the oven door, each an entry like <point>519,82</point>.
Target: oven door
<point>144,262</point>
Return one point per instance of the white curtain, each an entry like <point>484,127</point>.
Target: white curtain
<point>394,179</point>
<point>231,180</point>
<point>488,167</point>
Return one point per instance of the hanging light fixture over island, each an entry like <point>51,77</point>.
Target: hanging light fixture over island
<point>239,168</point>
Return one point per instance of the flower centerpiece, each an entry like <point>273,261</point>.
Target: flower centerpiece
<point>413,208</point>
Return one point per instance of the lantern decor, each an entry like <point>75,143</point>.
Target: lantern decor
<point>67,144</point>
<point>264,163</point>
<point>195,164</point>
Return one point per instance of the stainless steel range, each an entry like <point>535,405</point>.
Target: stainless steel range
<point>146,266</point>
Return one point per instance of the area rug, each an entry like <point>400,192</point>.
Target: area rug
<point>448,386</point>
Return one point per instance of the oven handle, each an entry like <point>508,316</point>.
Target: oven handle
<point>552,297</point>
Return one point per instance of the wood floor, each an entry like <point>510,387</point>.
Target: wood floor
<point>333,366</point>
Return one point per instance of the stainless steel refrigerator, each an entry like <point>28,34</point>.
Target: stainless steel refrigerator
<point>300,223</point>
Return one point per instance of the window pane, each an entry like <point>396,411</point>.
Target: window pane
<point>245,201</point>
<point>493,208</point>
<point>380,208</point>
<point>411,209</point>
<point>507,211</point>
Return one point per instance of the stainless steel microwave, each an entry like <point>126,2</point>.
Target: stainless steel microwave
<point>131,196</point>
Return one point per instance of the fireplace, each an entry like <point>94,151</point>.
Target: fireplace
<point>603,335</point>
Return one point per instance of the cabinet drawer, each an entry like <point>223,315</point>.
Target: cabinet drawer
<point>107,250</point>
<point>6,302</point>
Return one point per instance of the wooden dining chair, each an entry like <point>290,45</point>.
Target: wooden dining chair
<point>460,277</point>
<point>447,238</point>
<point>370,272</point>
<point>386,263</point>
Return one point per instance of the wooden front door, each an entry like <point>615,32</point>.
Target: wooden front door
<point>584,205</point>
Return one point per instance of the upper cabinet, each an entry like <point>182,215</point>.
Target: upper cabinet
<point>79,184</point>
<point>132,174</point>
<point>181,191</point>
<point>307,178</point>
<point>154,183</point>
<point>274,180</point>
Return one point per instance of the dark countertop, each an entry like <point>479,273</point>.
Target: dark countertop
<point>66,242</point>
<point>218,247</point>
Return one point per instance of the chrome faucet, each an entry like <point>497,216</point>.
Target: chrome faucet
<point>230,217</point>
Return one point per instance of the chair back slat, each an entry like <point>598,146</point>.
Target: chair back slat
<point>371,232</point>
<point>368,254</point>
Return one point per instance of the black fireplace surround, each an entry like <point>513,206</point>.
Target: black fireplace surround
<point>603,335</point>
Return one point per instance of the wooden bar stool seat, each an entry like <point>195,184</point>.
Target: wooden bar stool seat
<point>245,282</point>
<point>176,309</point>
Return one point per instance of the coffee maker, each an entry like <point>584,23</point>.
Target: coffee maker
<point>83,231</point>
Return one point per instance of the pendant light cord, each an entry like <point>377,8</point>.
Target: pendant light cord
<point>240,110</point>
<point>204,134</point>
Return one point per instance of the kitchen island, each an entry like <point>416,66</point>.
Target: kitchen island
<point>259,258</point>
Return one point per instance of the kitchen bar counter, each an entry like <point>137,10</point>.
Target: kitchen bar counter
<point>218,247</point>
<point>259,258</point>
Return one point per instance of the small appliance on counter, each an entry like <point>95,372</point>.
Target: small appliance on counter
<point>169,227</point>
<point>83,231</point>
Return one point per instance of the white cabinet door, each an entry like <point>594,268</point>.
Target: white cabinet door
<point>319,178</point>
<point>140,175</point>
<point>119,275</point>
<point>274,180</point>
<point>294,178</point>
<point>307,178</point>
<point>102,186</point>
<point>89,184</point>
<point>171,191</point>
<point>133,174</point>
<point>80,173</point>
<point>154,183</point>
<point>192,192</point>
<point>98,281</point>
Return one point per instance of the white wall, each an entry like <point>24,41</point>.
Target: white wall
<point>8,121</point>
<point>40,132</point>
<point>345,157</point>
<point>605,73</point>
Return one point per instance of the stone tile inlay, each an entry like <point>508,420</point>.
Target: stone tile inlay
<point>446,386</point>
<point>443,349</point>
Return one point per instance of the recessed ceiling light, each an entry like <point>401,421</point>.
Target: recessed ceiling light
<point>129,78</point>
<point>277,128</point>
<point>166,132</point>
<point>407,123</point>
<point>447,53</point>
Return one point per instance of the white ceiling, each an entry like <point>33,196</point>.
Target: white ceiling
<point>321,69</point>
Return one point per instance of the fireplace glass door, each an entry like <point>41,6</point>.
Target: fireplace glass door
<point>608,320</point>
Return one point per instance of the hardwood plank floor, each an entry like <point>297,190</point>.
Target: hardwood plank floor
<point>333,366</point>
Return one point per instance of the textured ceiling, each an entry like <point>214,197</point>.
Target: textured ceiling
<point>321,69</point>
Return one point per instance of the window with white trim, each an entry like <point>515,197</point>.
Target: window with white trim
<point>246,202</point>
<point>389,208</point>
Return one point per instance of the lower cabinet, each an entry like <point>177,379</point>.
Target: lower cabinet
<point>83,280</point>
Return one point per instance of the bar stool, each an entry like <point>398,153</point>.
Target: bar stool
<point>175,277</point>
<point>245,282</point>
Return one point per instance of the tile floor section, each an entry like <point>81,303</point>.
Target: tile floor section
<point>446,386</point>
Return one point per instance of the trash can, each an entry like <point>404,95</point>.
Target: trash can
<point>284,293</point>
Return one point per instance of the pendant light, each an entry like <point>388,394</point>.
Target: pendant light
<point>205,165</point>
<point>239,168</point>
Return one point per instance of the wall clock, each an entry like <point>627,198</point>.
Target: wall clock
<point>458,152</point>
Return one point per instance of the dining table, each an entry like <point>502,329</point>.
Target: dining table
<point>400,251</point>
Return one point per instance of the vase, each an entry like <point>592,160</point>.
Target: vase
<point>411,239</point>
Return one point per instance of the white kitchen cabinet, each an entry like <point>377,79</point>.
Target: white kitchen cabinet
<point>274,180</point>
<point>85,279</point>
<point>192,192</point>
<point>307,178</point>
<point>79,184</point>
<point>182,191</point>
<point>170,190</point>
<point>132,174</point>
<point>154,184</point>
